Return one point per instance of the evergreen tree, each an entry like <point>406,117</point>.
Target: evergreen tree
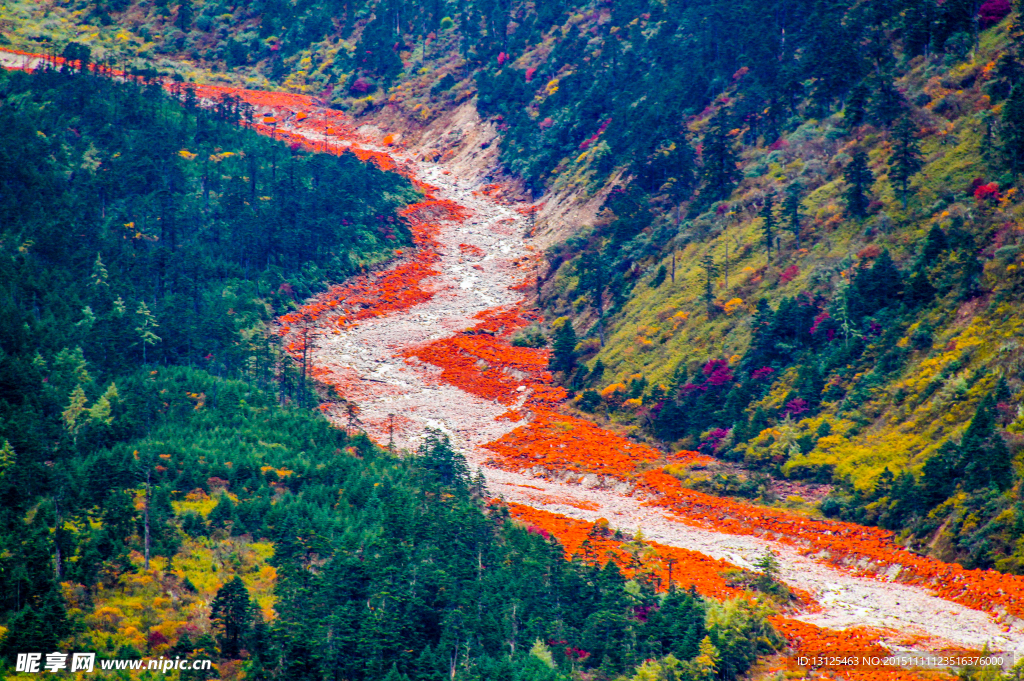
<point>147,322</point>
<point>905,160</point>
<point>984,453</point>
<point>887,102</point>
<point>858,179</point>
<point>710,270</point>
<point>876,288</point>
<point>223,515</point>
<point>718,167</point>
<point>768,222</point>
<point>791,210</point>
<point>231,614</point>
<point>563,347</point>
<point>185,14</point>
<point>856,106</point>
<point>441,464</point>
<point>1012,130</point>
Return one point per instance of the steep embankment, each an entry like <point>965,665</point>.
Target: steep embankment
<point>378,337</point>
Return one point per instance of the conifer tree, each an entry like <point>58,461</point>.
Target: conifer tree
<point>856,106</point>
<point>791,210</point>
<point>984,453</point>
<point>710,270</point>
<point>147,322</point>
<point>231,614</point>
<point>768,222</point>
<point>185,14</point>
<point>718,168</point>
<point>563,348</point>
<point>7,458</point>
<point>75,409</point>
<point>440,462</point>
<point>905,161</point>
<point>858,179</point>
<point>1013,129</point>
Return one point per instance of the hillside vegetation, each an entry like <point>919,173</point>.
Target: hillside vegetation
<point>808,262</point>
<point>169,485</point>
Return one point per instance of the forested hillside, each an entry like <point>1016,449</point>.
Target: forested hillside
<point>807,261</point>
<point>807,264</point>
<point>168,487</point>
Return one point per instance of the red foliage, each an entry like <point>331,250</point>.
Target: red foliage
<point>987,193</point>
<point>566,443</point>
<point>718,372</point>
<point>796,407</point>
<point>156,638</point>
<point>529,73</point>
<point>714,438</point>
<point>502,58</point>
<point>789,274</point>
<point>869,252</point>
<point>992,12</point>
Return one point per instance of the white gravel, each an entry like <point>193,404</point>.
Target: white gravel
<point>368,357</point>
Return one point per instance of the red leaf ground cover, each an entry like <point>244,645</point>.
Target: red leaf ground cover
<point>558,440</point>
<point>689,568</point>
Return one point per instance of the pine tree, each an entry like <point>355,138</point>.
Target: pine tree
<point>768,564</point>
<point>74,410</point>
<point>718,167</point>
<point>100,411</point>
<point>710,270</point>
<point>439,461</point>
<point>185,14</point>
<point>99,274</point>
<point>888,102</point>
<point>856,106</point>
<point>563,348</point>
<point>768,222</point>
<point>905,161</point>
<point>1013,129</point>
<point>791,209</point>
<point>985,455</point>
<point>147,322</point>
<point>858,178</point>
<point>231,614</point>
<point>593,280</point>
<point>7,458</point>
<point>223,515</point>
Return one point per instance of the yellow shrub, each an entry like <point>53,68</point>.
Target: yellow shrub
<point>733,305</point>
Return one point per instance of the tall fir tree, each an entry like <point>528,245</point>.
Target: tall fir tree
<point>905,160</point>
<point>768,222</point>
<point>718,159</point>
<point>1012,131</point>
<point>985,456</point>
<point>563,348</point>
<point>858,177</point>
<point>710,270</point>
<point>791,210</point>
<point>231,613</point>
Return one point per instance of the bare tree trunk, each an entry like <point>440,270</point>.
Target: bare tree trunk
<point>58,566</point>
<point>145,517</point>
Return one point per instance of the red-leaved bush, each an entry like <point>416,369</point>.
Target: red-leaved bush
<point>992,12</point>
<point>987,193</point>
